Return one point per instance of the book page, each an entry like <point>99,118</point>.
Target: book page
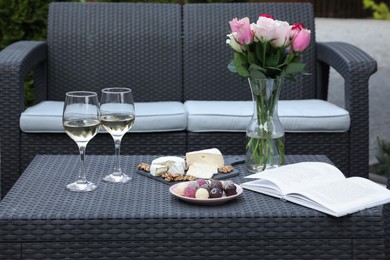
<point>347,196</point>
<point>295,177</point>
<point>263,186</point>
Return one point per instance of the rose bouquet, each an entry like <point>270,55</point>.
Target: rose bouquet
<point>268,50</point>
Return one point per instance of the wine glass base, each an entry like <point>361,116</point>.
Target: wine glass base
<point>118,178</point>
<point>81,186</point>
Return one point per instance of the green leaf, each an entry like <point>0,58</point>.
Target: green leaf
<point>295,68</point>
<point>259,52</point>
<point>274,68</point>
<point>256,67</point>
<point>251,57</point>
<point>231,67</point>
<point>256,74</point>
<point>242,71</point>
<point>273,60</point>
<point>291,77</point>
<point>296,59</point>
<point>239,59</point>
<point>241,64</point>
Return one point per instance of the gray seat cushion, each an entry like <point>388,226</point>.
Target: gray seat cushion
<point>46,117</point>
<point>202,116</point>
<point>296,116</point>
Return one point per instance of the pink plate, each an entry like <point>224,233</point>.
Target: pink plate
<point>215,201</point>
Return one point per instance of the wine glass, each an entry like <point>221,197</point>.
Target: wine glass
<point>81,122</point>
<point>117,115</point>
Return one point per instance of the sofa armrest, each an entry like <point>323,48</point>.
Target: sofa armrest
<point>16,61</point>
<point>356,67</point>
<point>353,64</point>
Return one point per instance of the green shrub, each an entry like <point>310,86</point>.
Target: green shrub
<point>383,157</point>
<point>380,11</point>
<point>23,20</point>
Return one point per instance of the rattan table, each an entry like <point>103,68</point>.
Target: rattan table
<point>40,219</point>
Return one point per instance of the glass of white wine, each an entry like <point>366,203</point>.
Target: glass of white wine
<point>81,122</point>
<point>117,115</point>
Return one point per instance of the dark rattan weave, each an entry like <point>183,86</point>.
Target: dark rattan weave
<point>91,46</point>
<point>168,52</point>
<point>386,217</point>
<point>142,220</point>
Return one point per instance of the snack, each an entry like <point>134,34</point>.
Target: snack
<point>194,183</point>
<point>177,177</point>
<point>180,188</point>
<point>207,189</point>
<point>190,191</point>
<point>204,163</point>
<point>200,165</point>
<point>225,169</point>
<point>216,184</point>
<point>206,186</point>
<point>165,164</point>
<point>201,182</point>
<point>209,156</point>
<point>202,170</point>
<point>216,193</point>
<point>202,193</point>
<point>144,167</point>
<point>229,188</point>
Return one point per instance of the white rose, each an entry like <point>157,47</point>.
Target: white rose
<point>264,29</point>
<point>282,34</point>
<point>233,43</point>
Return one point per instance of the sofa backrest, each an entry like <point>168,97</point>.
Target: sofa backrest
<point>206,54</point>
<point>97,45</point>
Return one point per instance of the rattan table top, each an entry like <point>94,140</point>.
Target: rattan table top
<point>39,207</point>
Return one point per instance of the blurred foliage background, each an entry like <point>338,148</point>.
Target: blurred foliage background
<point>380,10</point>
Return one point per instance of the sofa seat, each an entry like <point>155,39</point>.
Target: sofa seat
<point>46,117</point>
<point>297,116</point>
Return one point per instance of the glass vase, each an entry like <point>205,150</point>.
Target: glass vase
<point>265,132</point>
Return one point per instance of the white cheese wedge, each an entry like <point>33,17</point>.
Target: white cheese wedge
<point>158,170</point>
<point>209,156</point>
<point>177,168</point>
<point>201,170</point>
<point>163,164</point>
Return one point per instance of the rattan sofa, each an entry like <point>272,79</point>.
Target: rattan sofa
<point>169,53</point>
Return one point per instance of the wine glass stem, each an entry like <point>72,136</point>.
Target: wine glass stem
<point>82,178</point>
<point>117,142</point>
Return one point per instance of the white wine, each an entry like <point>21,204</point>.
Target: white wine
<point>117,124</point>
<point>82,130</point>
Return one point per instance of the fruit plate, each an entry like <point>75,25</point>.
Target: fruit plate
<point>214,201</point>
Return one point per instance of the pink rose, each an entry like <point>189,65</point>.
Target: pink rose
<point>264,29</point>
<point>282,34</point>
<point>301,40</point>
<point>243,29</point>
<point>295,29</point>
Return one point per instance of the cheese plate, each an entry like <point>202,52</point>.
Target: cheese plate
<point>229,160</point>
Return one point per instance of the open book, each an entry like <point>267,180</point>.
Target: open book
<point>319,186</point>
